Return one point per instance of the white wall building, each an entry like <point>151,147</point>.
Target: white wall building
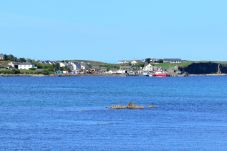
<point>134,62</point>
<point>148,67</point>
<point>25,66</point>
<point>61,64</point>
<point>83,66</point>
<point>1,57</point>
<point>151,68</point>
<point>22,66</point>
<point>75,66</point>
<point>120,72</point>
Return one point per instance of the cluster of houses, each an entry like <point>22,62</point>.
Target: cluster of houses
<point>132,62</point>
<point>84,68</point>
<point>146,70</point>
<point>129,67</point>
<point>64,67</point>
<point>68,67</point>
<point>72,67</point>
<point>152,60</point>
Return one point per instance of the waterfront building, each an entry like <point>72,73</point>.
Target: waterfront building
<point>150,67</point>
<point>121,71</point>
<point>2,57</point>
<point>83,66</point>
<point>22,66</point>
<point>74,66</point>
<point>61,64</point>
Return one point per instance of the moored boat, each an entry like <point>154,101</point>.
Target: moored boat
<point>160,74</point>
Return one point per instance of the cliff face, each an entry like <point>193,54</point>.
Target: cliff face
<point>224,68</point>
<point>205,68</point>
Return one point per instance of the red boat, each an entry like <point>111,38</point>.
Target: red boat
<point>160,74</point>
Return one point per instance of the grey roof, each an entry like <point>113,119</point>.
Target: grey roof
<point>172,59</point>
<point>78,65</point>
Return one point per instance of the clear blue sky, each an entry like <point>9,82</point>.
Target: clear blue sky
<point>110,30</point>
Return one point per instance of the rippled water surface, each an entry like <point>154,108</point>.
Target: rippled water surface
<point>70,114</point>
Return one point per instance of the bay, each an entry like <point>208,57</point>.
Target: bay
<point>69,113</point>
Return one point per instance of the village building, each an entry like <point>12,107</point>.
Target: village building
<point>134,62</point>
<point>74,66</point>
<point>65,72</point>
<point>48,62</point>
<point>84,66</point>
<point>172,60</point>
<point>2,57</point>
<point>121,71</point>
<point>109,72</point>
<point>154,60</point>
<point>123,61</point>
<point>150,60</point>
<point>150,68</point>
<point>61,64</point>
<point>22,66</point>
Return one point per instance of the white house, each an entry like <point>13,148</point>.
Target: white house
<point>83,66</point>
<point>148,67</point>
<point>22,66</point>
<point>74,66</point>
<point>134,62</point>
<point>1,57</point>
<point>25,66</point>
<point>65,72</point>
<point>61,64</point>
<point>121,72</point>
<point>109,72</point>
<point>151,68</point>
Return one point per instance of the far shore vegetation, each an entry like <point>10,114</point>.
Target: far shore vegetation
<point>11,65</point>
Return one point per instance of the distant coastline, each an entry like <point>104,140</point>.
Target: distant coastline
<point>174,67</point>
<point>98,75</point>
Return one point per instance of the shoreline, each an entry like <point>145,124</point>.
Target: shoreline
<point>99,75</point>
<point>194,75</point>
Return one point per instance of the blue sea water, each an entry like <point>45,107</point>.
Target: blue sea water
<point>70,114</point>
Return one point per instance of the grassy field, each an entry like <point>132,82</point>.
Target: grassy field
<point>171,65</point>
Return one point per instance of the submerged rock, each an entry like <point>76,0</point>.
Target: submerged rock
<point>152,106</point>
<point>129,106</point>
